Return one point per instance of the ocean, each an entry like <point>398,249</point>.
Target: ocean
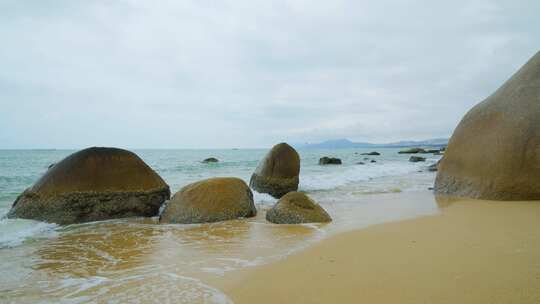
<point>137,260</point>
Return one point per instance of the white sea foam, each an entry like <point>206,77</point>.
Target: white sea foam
<point>331,177</point>
<point>14,232</point>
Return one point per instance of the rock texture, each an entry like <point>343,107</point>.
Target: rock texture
<point>210,200</point>
<point>329,161</point>
<point>278,173</point>
<point>297,208</point>
<point>91,185</point>
<point>494,152</point>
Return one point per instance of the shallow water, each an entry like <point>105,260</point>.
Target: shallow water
<point>139,260</point>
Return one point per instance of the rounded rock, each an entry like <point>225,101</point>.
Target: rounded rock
<point>494,152</point>
<point>91,185</point>
<point>297,208</point>
<point>278,173</point>
<point>210,200</point>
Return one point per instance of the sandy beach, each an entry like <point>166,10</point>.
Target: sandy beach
<point>472,252</point>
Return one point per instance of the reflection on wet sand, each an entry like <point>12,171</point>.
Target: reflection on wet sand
<point>142,261</point>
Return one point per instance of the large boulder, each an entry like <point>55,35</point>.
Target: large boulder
<point>277,174</point>
<point>494,152</point>
<point>297,208</point>
<point>210,200</point>
<point>91,185</point>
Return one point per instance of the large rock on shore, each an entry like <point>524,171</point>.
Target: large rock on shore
<point>297,208</point>
<point>277,174</point>
<point>494,152</point>
<point>91,185</point>
<point>210,200</point>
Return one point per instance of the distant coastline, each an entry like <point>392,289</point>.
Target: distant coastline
<point>348,144</point>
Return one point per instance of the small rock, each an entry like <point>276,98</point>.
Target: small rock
<point>211,160</point>
<point>373,161</point>
<point>360,163</point>
<point>412,151</point>
<point>416,159</point>
<point>329,161</point>
<point>374,153</point>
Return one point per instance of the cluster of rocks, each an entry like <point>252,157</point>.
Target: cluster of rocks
<point>423,151</point>
<point>97,184</point>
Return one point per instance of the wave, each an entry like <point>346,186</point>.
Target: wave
<point>13,232</point>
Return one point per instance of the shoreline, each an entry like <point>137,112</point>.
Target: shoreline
<point>470,252</point>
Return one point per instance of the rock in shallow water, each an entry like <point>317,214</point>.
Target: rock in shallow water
<point>494,152</point>
<point>277,174</point>
<point>210,200</point>
<point>416,159</point>
<point>91,185</point>
<point>329,161</point>
<point>412,151</point>
<point>374,153</point>
<point>297,208</point>
<point>211,160</point>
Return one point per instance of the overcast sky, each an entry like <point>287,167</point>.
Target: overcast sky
<point>250,73</point>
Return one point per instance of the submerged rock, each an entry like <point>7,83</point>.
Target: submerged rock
<point>360,163</point>
<point>412,151</point>
<point>329,161</point>
<point>297,208</point>
<point>372,153</point>
<point>278,173</point>
<point>91,185</point>
<point>210,200</point>
<point>211,160</point>
<point>416,159</point>
<point>494,152</point>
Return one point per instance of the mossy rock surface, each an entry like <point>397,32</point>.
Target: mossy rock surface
<point>494,153</point>
<point>210,200</point>
<point>297,208</point>
<point>278,172</point>
<point>91,185</point>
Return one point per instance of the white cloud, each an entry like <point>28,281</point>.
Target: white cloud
<point>250,73</point>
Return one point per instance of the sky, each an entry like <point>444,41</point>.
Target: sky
<point>251,73</point>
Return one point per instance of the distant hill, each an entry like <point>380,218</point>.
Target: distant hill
<point>347,144</point>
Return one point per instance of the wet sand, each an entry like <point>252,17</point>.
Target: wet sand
<point>472,252</point>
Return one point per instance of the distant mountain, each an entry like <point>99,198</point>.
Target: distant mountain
<point>347,144</point>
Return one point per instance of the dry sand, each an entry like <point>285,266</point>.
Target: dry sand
<point>472,252</point>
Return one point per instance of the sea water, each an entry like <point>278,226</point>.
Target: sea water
<point>140,260</point>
